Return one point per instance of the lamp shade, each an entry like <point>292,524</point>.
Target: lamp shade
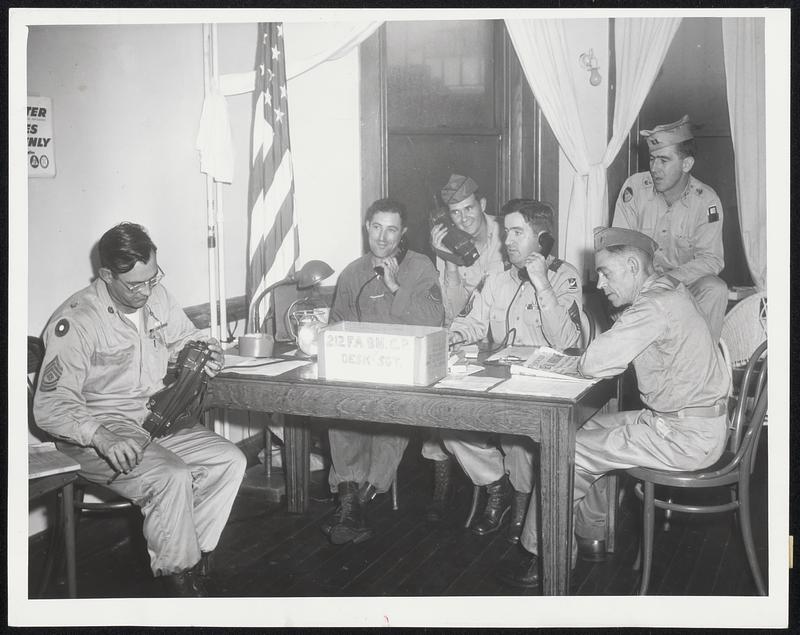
<point>313,272</point>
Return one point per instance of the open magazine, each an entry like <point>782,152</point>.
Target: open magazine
<point>541,361</point>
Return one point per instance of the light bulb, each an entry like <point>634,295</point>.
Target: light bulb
<point>594,77</point>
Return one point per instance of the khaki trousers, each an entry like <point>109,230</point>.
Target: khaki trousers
<point>365,453</point>
<point>184,485</point>
<point>627,439</point>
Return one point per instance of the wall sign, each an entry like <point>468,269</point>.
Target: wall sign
<point>41,148</point>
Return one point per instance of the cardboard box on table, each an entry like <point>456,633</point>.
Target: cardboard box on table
<point>382,353</point>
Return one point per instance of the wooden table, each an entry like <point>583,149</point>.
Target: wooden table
<point>551,422</point>
<point>50,470</point>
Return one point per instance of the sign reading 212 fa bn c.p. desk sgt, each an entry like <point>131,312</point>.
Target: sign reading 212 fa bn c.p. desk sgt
<point>41,149</point>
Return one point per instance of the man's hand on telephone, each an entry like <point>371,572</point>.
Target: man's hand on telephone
<point>390,267</point>
<point>536,264</point>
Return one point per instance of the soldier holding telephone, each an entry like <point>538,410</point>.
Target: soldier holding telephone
<point>535,302</point>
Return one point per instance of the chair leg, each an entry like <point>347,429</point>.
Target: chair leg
<point>394,493</point>
<point>747,534</point>
<point>69,541</point>
<point>473,509</point>
<point>647,535</point>
<point>54,548</point>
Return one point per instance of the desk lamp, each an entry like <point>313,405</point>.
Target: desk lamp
<point>256,344</point>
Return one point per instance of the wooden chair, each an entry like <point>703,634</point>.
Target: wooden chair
<point>35,357</point>
<point>732,470</point>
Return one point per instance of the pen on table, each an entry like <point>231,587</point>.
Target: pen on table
<point>116,474</point>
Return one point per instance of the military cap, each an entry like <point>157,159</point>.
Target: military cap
<point>668,134</point>
<point>458,188</point>
<point>605,237</point>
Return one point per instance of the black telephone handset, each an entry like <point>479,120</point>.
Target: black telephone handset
<point>463,250</point>
<point>546,243</point>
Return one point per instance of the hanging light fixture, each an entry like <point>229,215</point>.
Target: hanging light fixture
<point>589,62</point>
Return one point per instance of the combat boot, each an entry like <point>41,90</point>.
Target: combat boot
<point>519,507</point>
<point>498,504</point>
<point>442,488</point>
<point>349,524</point>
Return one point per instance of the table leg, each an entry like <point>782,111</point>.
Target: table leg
<point>69,539</point>
<point>557,458</point>
<point>297,446</point>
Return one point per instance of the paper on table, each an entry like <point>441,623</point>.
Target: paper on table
<point>467,382</point>
<point>261,366</point>
<point>542,386</point>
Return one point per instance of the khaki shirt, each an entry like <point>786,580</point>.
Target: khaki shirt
<point>457,288</point>
<point>663,333</point>
<point>99,368</point>
<point>418,300</point>
<point>688,232</point>
<point>539,321</point>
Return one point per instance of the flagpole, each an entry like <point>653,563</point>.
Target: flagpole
<point>210,200</point>
<point>223,298</point>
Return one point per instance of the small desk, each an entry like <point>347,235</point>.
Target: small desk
<point>550,422</point>
<point>50,470</point>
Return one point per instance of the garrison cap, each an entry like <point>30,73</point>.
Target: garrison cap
<point>458,188</point>
<point>668,134</point>
<point>605,237</point>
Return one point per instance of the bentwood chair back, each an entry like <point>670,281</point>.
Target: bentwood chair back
<point>732,470</point>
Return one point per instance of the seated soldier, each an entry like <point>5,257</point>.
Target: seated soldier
<point>388,285</point>
<point>460,282</point>
<point>540,309</point>
<point>106,352</point>
<point>683,425</point>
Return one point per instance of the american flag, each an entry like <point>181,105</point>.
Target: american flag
<point>273,244</point>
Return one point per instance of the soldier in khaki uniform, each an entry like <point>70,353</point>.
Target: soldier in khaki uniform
<point>460,283</point>
<point>106,352</point>
<point>683,216</point>
<point>544,311</point>
<point>683,381</point>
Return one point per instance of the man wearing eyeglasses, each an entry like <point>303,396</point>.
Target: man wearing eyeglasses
<point>106,352</point>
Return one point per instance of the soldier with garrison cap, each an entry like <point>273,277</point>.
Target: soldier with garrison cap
<point>467,209</point>
<point>536,302</point>
<point>683,216</point>
<point>683,424</point>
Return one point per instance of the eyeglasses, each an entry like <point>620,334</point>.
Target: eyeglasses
<point>139,286</point>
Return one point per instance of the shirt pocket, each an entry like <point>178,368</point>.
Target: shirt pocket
<point>111,369</point>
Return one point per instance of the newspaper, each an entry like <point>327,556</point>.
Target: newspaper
<point>547,362</point>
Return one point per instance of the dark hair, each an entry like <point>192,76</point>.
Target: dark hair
<point>535,213</point>
<point>387,205</point>
<point>686,148</point>
<point>122,246</point>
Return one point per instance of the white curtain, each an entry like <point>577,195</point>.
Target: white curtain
<point>309,44</point>
<point>548,65</point>
<point>743,45</point>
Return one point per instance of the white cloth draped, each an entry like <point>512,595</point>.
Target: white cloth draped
<point>306,45</point>
<point>541,47</point>
<point>743,45</point>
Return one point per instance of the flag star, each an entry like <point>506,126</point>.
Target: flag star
<point>261,68</point>
<point>283,91</point>
<point>275,53</point>
<point>270,74</point>
<point>280,30</point>
<point>279,115</point>
<point>268,98</point>
<point>266,38</point>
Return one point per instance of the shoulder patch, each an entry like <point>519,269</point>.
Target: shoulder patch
<point>627,195</point>
<point>435,293</point>
<point>62,327</point>
<point>573,284</point>
<point>555,264</point>
<point>51,374</point>
<point>713,214</point>
<point>646,181</point>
